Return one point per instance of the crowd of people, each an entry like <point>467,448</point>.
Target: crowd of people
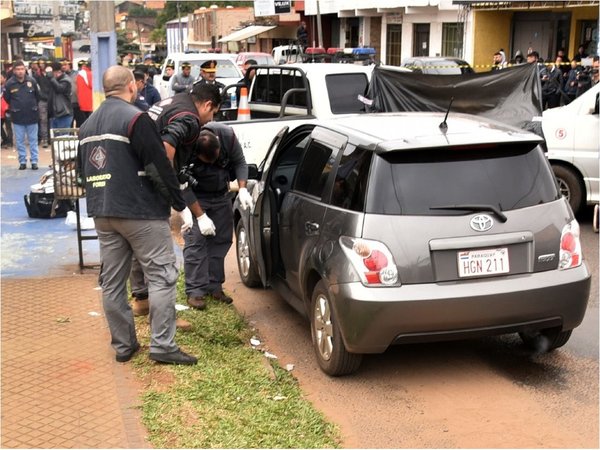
<point>562,79</point>
<point>47,95</point>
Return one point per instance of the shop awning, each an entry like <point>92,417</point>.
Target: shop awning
<point>245,33</point>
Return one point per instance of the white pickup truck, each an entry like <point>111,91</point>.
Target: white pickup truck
<point>295,94</point>
<point>571,133</point>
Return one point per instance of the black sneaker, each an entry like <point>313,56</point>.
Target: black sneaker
<point>34,167</point>
<point>177,357</point>
<point>22,167</point>
<point>124,357</point>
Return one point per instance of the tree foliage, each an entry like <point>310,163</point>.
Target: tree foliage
<point>140,11</point>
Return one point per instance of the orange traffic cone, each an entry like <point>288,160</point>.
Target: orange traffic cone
<point>243,108</point>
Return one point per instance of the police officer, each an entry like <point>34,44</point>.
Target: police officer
<point>217,159</point>
<point>208,74</point>
<point>179,120</point>
<point>182,82</point>
<point>130,187</point>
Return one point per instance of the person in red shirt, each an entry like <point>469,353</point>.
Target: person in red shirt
<point>84,93</point>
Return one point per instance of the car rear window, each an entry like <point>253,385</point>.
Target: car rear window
<point>413,182</point>
<point>344,89</point>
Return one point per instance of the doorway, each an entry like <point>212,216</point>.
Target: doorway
<point>421,39</point>
<point>394,45</point>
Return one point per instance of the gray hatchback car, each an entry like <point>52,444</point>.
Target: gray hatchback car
<point>394,228</point>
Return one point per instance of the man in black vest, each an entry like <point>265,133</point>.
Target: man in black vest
<point>130,188</point>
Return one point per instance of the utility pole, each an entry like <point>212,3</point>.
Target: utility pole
<point>103,43</point>
<point>319,26</point>
<point>180,46</point>
<point>58,53</point>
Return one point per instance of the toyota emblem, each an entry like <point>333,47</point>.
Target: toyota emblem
<point>481,222</point>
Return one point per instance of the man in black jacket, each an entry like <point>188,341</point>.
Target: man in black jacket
<point>60,108</point>
<point>22,95</point>
<point>130,187</point>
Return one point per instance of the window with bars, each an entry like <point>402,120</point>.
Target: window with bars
<point>452,39</point>
<point>394,44</point>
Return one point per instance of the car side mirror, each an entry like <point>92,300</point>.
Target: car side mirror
<point>252,172</point>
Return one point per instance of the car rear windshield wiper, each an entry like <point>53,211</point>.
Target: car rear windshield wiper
<point>490,208</point>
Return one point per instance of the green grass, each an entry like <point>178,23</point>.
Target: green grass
<point>233,398</point>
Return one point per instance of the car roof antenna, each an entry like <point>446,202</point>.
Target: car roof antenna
<point>444,125</point>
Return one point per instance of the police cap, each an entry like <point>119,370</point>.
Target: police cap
<point>209,66</point>
<point>185,65</point>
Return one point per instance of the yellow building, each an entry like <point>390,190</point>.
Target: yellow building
<point>542,26</point>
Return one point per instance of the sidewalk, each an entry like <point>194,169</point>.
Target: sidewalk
<point>61,386</point>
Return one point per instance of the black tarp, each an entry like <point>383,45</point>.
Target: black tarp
<point>512,95</point>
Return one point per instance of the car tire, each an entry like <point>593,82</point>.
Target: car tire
<point>332,356</point>
<point>246,266</point>
<point>544,341</point>
<point>570,186</point>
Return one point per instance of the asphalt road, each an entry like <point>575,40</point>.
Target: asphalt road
<point>485,393</point>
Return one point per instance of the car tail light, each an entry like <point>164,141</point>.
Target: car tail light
<point>372,261</point>
<point>570,247</point>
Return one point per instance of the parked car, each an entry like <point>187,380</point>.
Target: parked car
<point>263,59</point>
<point>393,228</point>
<point>227,71</point>
<point>571,133</point>
<point>437,65</point>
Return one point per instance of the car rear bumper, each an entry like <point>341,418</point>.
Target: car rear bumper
<point>372,319</point>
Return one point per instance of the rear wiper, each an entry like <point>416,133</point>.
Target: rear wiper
<point>490,208</point>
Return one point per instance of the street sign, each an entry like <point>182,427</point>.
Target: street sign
<point>271,7</point>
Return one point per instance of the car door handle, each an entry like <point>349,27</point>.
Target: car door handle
<point>311,228</point>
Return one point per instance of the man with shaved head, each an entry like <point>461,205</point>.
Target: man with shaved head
<point>130,188</point>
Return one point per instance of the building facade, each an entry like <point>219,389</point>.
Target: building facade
<point>474,31</point>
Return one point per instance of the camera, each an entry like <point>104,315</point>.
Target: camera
<point>186,175</point>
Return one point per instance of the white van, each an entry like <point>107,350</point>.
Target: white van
<point>571,133</point>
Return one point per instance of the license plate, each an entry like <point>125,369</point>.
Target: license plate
<point>475,263</point>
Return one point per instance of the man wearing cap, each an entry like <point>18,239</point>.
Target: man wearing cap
<point>208,74</point>
<point>182,82</point>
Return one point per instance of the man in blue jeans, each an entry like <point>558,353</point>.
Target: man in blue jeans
<point>22,96</point>
<point>60,108</point>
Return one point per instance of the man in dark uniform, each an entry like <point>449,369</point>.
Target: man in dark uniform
<point>218,159</point>
<point>179,120</point>
<point>208,74</point>
<point>130,188</point>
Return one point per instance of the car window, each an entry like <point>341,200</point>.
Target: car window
<point>350,185</point>
<point>506,176</point>
<point>269,88</point>
<point>343,90</point>
<point>314,169</point>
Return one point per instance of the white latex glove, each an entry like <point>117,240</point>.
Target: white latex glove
<point>206,225</point>
<point>245,198</point>
<point>187,218</point>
